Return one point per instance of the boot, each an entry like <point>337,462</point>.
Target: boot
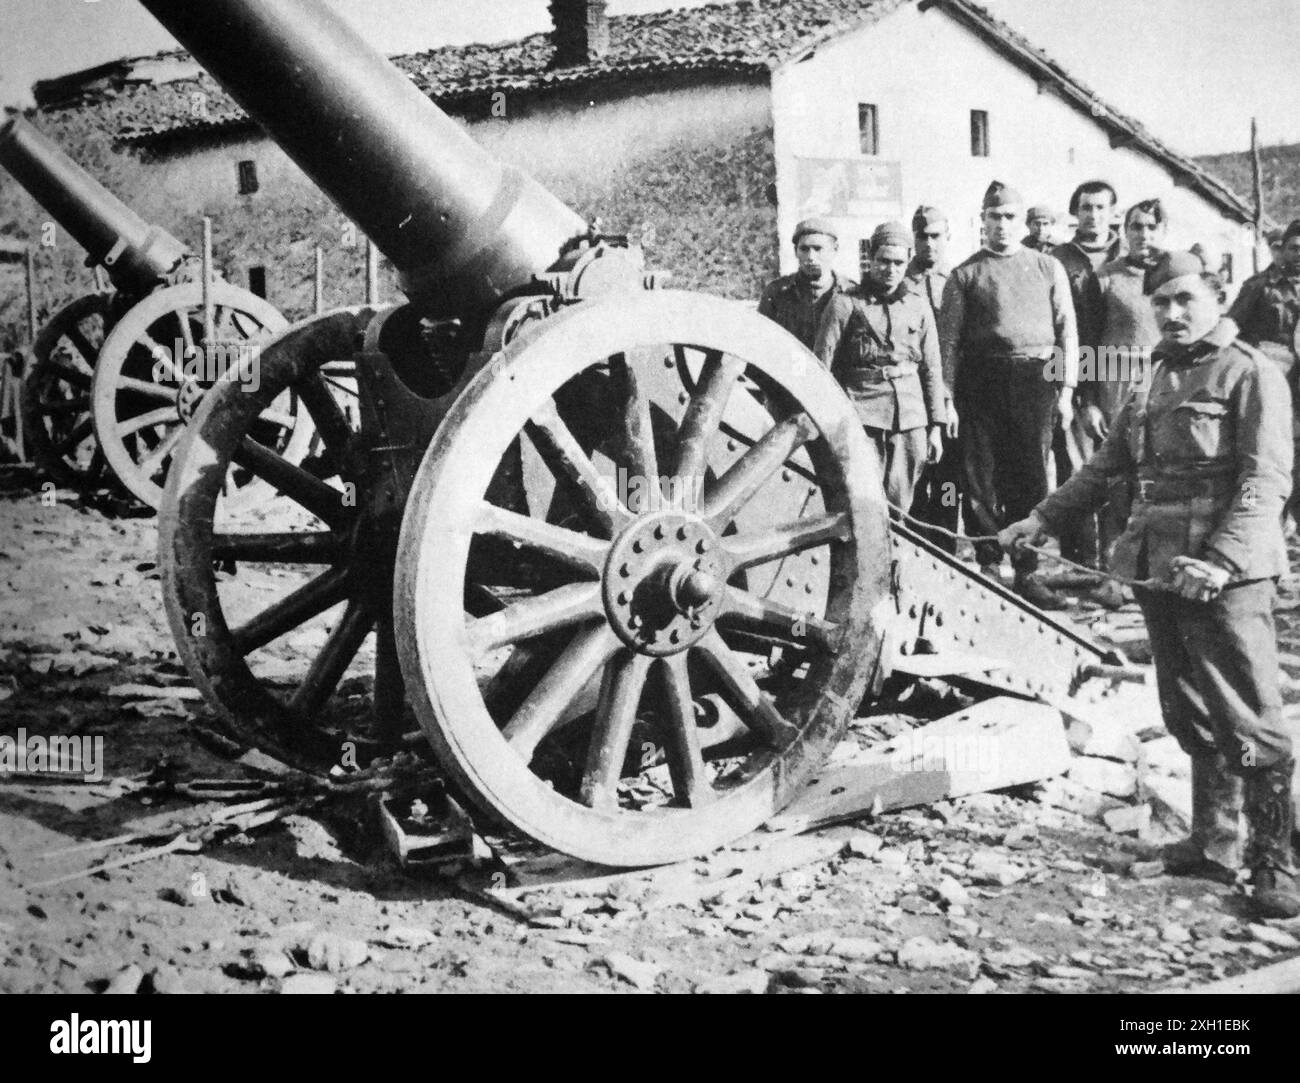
<point>1271,817</point>
<point>1036,592</point>
<point>1213,850</point>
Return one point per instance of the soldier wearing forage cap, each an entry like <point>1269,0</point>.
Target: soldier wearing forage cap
<point>1010,354</point>
<point>1267,313</point>
<point>881,343</point>
<point>799,301</point>
<point>1206,446</point>
<point>938,493</point>
<point>1039,220</point>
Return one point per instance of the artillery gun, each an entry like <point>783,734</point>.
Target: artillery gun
<point>581,517</point>
<point>114,376</point>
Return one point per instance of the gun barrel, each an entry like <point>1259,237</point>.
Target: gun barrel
<point>461,228</point>
<point>136,254</point>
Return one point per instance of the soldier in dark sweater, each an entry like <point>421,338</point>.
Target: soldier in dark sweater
<point>798,302</point>
<point>1010,354</point>
<point>881,344</point>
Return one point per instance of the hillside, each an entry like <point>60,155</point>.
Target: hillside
<point>1281,169</point>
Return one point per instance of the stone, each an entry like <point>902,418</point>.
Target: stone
<point>1106,737</point>
<point>952,892</point>
<point>1104,776</point>
<point>329,951</point>
<point>746,981</point>
<point>1277,938</point>
<point>269,963</point>
<point>635,972</point>
<point>989,867</point>
<point>1013,958</point>
<point>309,984</point>
<point>400,936</point>
<point>981,986</point>
<point>1173,933</point>
<point>858,949</point>
<point>126,980</point>
<point>922,953</point>
<point>1162,756</point>
<point>1129,820</point>
<point>168,981</point>
<point>1146,870</point>
<point>1172,795</point>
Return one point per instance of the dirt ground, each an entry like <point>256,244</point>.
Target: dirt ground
<point>992,893</point>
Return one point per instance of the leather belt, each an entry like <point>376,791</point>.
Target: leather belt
<point>1175,490</point>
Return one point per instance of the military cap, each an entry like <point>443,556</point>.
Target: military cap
<point>816,225</point>
<point>1042,210</point>
<point>891,233</point>
<point>1172,265</point>
<point>1000,195</point>
<point>1293,230</point>
<point>924,217</point>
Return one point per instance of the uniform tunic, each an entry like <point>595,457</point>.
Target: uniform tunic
<point>884,351</point>
<point>791,302</point>
<point>1207,448</point>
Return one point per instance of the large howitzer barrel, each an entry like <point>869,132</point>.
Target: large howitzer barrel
<point>136,255</point>
<point>462,229</point>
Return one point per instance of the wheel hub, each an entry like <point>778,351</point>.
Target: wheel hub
<point>664,582</point>
<point>188,399</point>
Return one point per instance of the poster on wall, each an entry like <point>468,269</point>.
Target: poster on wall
<point>848,188</point>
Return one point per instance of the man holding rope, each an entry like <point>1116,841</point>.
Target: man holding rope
<point>1206,447</point>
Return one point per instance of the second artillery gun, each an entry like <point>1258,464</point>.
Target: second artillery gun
<point>622,549</point>
<point>114,376</point>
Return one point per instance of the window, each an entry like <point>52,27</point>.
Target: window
<point>868,129</point>
<point>247,178</point>
<point>864,258</point>
<point>257,281</point>
<point>1225,268</point>
<point>979,133</point>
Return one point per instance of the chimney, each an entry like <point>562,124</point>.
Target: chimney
<point>581,32</point>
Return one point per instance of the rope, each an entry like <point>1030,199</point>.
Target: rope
<point>975,539</point>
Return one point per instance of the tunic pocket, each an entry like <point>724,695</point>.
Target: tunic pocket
<point>1201,429</point>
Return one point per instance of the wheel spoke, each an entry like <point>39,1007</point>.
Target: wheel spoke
<point>322,500</point>
<point>152,463</point>
<point>309,600</point>
<point>704,412</point>
<point>79,432</point>
<point>86,353</point>
<point>751,549</point>
<point>757,708</point>
<point>637,433</point>
<point>558,608</point>
<point>328,416</point>
<point>390,689</point>
<point>163,357</point>
<point>541,711</point>
<point>328,667</point>
<point>751,471</point>
<point>287,548</point>
<point>147,388</point>
<point>564,456</point>
<point>580,551</point>
<point>766,615</point>
<point>160,416</point>
<point>70,373</point>
<point>80,404</point>
<point>282,418</point>
<point>685,757</point>
<point>187,332</point>
<point>620,695</point>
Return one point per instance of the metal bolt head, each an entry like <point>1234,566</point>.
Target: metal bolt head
<point>659,532</point>
<point>622,597</point>
<point>681,533</point>
<point>638,545</point>
<point>674,636</point>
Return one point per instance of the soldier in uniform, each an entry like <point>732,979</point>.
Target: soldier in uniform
<point>881,344</point>
<point>1207,446</point>
<point>938,493</point>
<point>1010,354</point>
<point>1266,312</point>
<point>799,301</point>
<point>1039,221</point>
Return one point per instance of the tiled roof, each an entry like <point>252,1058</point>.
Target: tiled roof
<point>742,37</point>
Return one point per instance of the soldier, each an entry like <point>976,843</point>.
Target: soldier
<point>938,493</point>
<point>1093,244</point>
<point>799,301</point>
<point>1266,313</point>
<point>1010,354</point>
<point>881,343</point>
<point>1039,221</point>
<point>1128,334</point>
<point>1207,446</point>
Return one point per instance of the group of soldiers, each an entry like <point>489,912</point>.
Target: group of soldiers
<point>1173,470</point>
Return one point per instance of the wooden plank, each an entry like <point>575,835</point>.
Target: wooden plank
<point>997,743</point>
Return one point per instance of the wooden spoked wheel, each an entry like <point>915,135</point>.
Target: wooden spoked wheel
<point>575,704</point>
<point>155,368</point>
<point>56,394</point>
<point>287,650</point>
